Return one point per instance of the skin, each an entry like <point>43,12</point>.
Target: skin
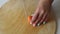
<point>42,12</point>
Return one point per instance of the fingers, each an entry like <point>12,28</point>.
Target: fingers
<point>46,20</point>
<point>43,20</point>
<point>38,24</point>
<point>44,17</point>
<point>35,16</point>
<point>38,19</point>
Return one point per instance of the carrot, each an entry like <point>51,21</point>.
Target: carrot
<point>29,18</point>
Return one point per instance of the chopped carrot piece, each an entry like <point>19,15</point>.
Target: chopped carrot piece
<point>29,18</point>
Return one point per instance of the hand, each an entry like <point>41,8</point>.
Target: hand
<point>40,15</point>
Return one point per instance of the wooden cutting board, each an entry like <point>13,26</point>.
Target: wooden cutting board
<point>13,18</point>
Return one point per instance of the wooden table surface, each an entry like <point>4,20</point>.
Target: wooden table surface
<point>13,18</point>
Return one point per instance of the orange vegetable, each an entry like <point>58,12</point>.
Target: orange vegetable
<point>29,18</point>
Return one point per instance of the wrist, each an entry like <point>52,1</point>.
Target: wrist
<point>45,2</point>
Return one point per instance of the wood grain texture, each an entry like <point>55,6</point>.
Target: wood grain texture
<point>13,18</point>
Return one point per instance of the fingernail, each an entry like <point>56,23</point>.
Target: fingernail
<point>30,22</point>
<point>38,24</point>
<point>33,25</point>
<point>44,22</point>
